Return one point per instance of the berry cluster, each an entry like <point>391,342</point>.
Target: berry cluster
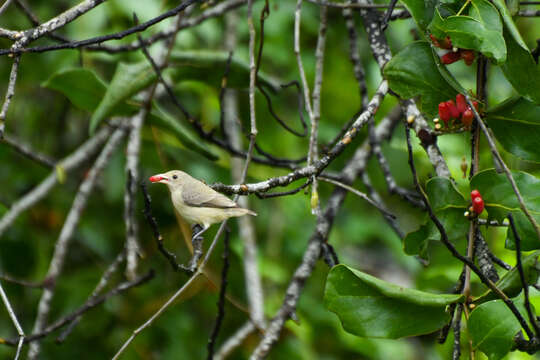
<point>450,111</point>
<point>477,202</point>
<point>454,54</point>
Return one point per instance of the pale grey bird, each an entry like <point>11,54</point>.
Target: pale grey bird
<point>196,202</point>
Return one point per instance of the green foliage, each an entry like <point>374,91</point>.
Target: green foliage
<point>500,199</point>
<point>481,30</point>
<point>493,326</point>
<point>370,307</point>
<point>413,72</point>
<point>516,124</point>
<point>510,282</point>
<point>449,207</point>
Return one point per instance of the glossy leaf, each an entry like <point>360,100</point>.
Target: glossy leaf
<point>500,200</point>
<point>510,282</point>
<point>413,72</point>
<point>161,119</point>
<point>81,86</point>
<point>509,22</point>
<point>521,70</point>
<point>209,66</point>
<point>128,80</point>
<point>481,30</point>
<point>84,89</point>
<point>492,327</point>
<point>449,206</point>
<point>516,125</point>
<point>370,307</point>
<point>497,191</point>
<point>421,11</point>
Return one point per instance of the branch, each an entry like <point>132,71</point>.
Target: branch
<point>319,165</point>
<point>14,320</point>
<point>101,39</point>
<point>453,250</point>
<point>70,224</point>
<point>354,167</point>
<point>9,94</point>
<point>28,152</point>
<point>221,299</point>
<point>524,284</point>
<point>75,159</point>
<point>88,305</point>
<point>497,156</point>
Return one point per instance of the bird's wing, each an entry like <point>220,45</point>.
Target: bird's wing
<point>200,195</point>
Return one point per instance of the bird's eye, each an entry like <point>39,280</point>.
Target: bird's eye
<point>175,177</point>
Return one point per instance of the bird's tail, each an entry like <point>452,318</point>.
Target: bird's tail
<point>241,212</point>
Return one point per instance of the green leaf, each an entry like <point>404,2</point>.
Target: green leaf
<point>481,30</point>
<point>162,119</point>
<point>209,66</point>
<point>442,194</point>
<point>492,327</point>
<point>371,307</point>
<point>413,72</point>
<point>521,70</point>
<point>516,125</point>
<point>421,11</point>
<point>510,283</point>
<point>497,191</point>
<point>81,86</point>
<point>509,23</point>
<point>449,206</point>
<point>499,199</point>
<point>128,80</point>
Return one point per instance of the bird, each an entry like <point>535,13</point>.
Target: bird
<point>197,202</point>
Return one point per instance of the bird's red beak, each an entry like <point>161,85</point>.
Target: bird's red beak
<point>158,178</point>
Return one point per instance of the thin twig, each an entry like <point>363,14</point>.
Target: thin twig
<point>171,300</point>
<point>102,283</point>
<point>360,194</point>
<point>14,320</point>
<point>221,299</point>
<point>524,284</point>
<point>319,165</point>
<point>75,159</point>
<point>235,340</point>
<point>88,305</point>
<point>27,151</point>
<point>70,224</point>
<point>9,93</point>
<point>453,250</point>
<point>99,39</point>
<point>498,157</point>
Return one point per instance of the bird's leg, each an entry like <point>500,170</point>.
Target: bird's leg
<point>199,233</point>
<point>197,241</point>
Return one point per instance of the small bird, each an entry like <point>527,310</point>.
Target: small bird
<point>196,202</point>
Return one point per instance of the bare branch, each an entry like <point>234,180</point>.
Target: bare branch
<point>82,154</point>
<point>14,320</point>
<point>70,224</point>
<point>9,93</point>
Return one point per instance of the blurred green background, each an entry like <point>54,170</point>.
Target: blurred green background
<point>361,237</point>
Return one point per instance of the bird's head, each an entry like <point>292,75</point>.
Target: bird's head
<point>173,179</point>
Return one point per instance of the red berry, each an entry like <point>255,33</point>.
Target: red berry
<point>450,57</point>
<point>475,104</point>
<point>467,117</point>
<point>478,204</point>
<point>434,40</point>
<point>468,56</point>
<point>444,112</point>
<point>446,43</point>
<point>452,108</point>
<point>461,103</point>
<point>474,194</point>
